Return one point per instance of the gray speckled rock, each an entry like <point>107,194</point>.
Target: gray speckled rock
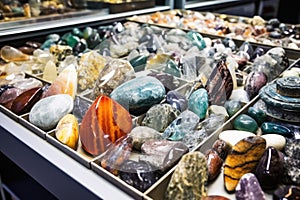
<point>139,94</point>
<point>46,113</point>
<point>160,116</point>
<point>141,134</point>
<point>189,178</point>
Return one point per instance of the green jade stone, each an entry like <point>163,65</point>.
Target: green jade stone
<point>233,106</point>
<point>70,39</point>
<point>244,122</point>
<point>77,32</point>
<point>259,115</point>
<point>197,39</point>
<point>139,63</point>
<point>274,128</point>
<point>198,102</point>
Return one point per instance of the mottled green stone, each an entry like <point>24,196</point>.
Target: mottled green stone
<point>274,128</point>
<point>244,122</point>
<point>259,115</point>
<point>233,106</point>
<point>87,32</point>
<point>139,63</point>
<point>77,32</point>
<point>70,39</point>
<point>172,68</point>
<point>198,102</point>
<point>197,39</point>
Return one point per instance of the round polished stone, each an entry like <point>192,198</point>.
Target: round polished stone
<point>245,123</point>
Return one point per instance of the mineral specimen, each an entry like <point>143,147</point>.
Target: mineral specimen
<point>67,131</point>
<point>103,123</point>
<point>242,159</point>
<point>214,164</point>
<point>198,102</point>
<point>248,188</point>
<point>244,122</point>
<point>47,112</point>
<point>254,82</point>
<point>189,178</point>
<point>141,134</point>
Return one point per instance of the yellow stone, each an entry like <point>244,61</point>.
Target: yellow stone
<point>50,71</point>
<point>67,131</point>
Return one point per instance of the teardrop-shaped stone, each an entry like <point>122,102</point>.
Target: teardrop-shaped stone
<point>50,71</point>
<point>189,179</point>
<point>160,116</point>
<point>104,123</point>
<point>11,54</point>
<point>220,84</point>
<point>47,112</point>
<point>198,102</point>
<point>65,83</point>
<point>269,169</point>
<point>67,131</point>
<point>244,122</point>
<point>273,127</point>
<point>139,94</point>
<point>214,164</point>
<point>258,114</point>
<point>248,188</point>
<point>116,154</point>
<point>25,101</point>
<point>242,159</point>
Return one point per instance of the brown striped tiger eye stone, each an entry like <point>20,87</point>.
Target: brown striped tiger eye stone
<point>242,159</point>
<point>104,123</point>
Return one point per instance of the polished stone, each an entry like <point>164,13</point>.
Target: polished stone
<point>233,106</point>
<point>222,148</point>
<point>275,128</point>
<point>275,140</point>
<point>254,82</point>
<point>287,192</point>
<point>47,112</point>
<point>177,100</point>
<point>214,164</point>
<point>244,122</point>
<point>232,137</point>
<point>141,134</point>
<point>198,102</point>
<point>259,115</point>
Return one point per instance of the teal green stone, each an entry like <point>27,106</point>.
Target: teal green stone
<point>47,44</point>
<point>232,107</point>
<point>87,32</point>
<point>77,32</point>
<point>244,122</point>
<point>259,115</point>
<point>138,63</point>
<point>139,94</point>
<point>198,102</point>
<point>172,68</point>
<point>53,37</point>
<point>70,39</point>
<point>197,39</point>
<point>275,128</point>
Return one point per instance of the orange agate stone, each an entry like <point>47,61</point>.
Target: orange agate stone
<point>104,123</point>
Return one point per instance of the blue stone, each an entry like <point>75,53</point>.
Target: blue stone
<point>139,94</point>
<point>182,125</point>
<point>47,112</point>
<point>177,100</point>
<point>198,102</point>
<point>196,39</point>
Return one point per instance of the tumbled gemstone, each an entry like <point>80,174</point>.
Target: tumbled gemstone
<point>138,63</point>
<point>248,188</point>
<point>11,54</point>
<point>275,128</point>
<point>67,131</point>
<point>232,137</point>
<point>214,163</point>
<point>275,140</point>
<point>259,115</point>
<point>104,123</point>
<point>167,80</point>
<point>233,106</point>
<point>242,159</point>
<point>139,94</point>
<point>47,112</point>
<point>9,95</point>
<point>116,154</point>
<point>244,122</point>
<point>182,125</point>
<point>61,51</point>
<point>141,134</point>
<point>198,102</point>
<point>162,154</point>
<point>25,101</point>
<point>140,175</point>
<point>80,107</point>
<point>189,178</point>
<point>254,82</point>
<point>65,83</point>
<point>269,168</point>
<point>160,116</point>
<point>177,100</point>
<point>222,148</point>
<point>220,84</point>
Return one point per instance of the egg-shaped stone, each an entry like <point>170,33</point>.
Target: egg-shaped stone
<point>232,137</point>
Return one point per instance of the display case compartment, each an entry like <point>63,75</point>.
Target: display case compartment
<point>293,53</point>
<point>79,154</point>
<point>24,120</point>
